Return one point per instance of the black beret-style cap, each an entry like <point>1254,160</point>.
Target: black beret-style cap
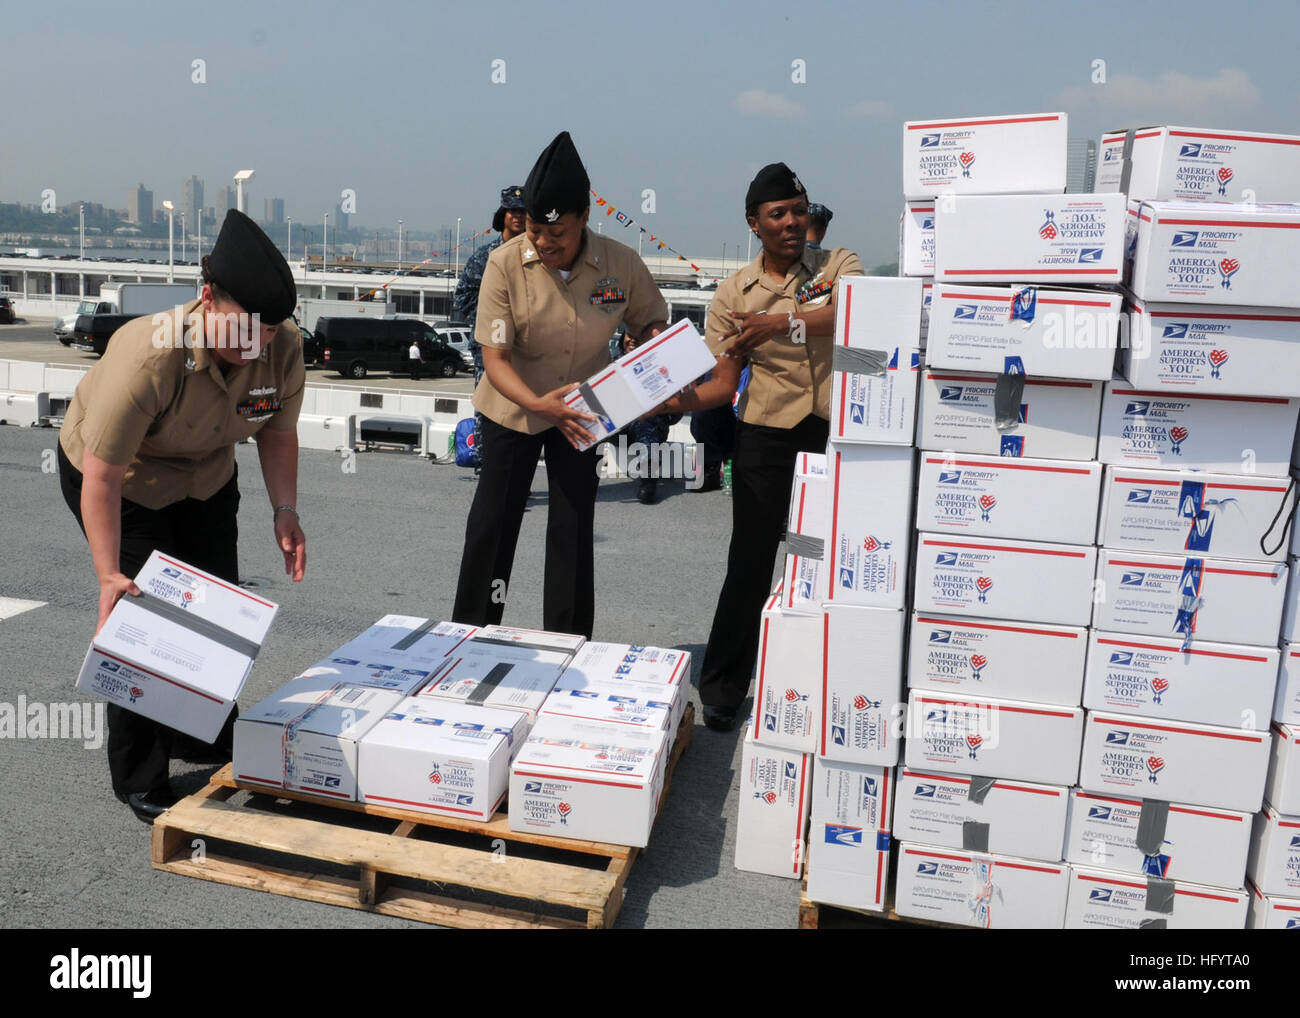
<point>558,182</point>
<point>250,268</point>
<point>774,182</point>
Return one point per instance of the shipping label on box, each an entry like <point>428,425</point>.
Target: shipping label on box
<point>1227,434</point>
<point>1214,349</point>
<point>787,697</point>
<point>1069,238</point>
<point>1174,761</point>
<point>1269,912</point>
<point>1197,164</point>
<point>1158,839</point>
<point>869,534</point>
<point>916,239</point>
<point>1208,683</point>
<point>1028,330</point>
<point>985,891</point>
<point>848,845</point>
<point>1006,154</point>
<point>180,652</point>
<point>1028,581</point>
<point>875,360</point>
<point>1286,701</point>
<point>978,657</point>
<point>1057,419</point>
<point>1102,900</point>
<point>1213,253</point>
<point>996,497</point>
<point>1221,600</point>
<point>1274,864</point>
<point>408,640</point>
<point>862,684</point>
<point>980,814</point>
<point>1283,787</point>
<point>775,790</point>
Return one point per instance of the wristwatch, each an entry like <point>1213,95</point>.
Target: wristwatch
<point>282,508</point>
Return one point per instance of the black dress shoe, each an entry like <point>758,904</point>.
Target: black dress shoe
<point>646,490</point>
<point>710,479</point>
<point>148,806</point>
<point>720,719</point>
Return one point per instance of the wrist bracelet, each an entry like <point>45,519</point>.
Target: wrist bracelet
<point>281,508</point>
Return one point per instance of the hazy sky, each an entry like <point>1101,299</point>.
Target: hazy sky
<point>397,101</point>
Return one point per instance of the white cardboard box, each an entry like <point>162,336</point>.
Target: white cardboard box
<point>1268,912</point>
<point>803,585</point>
<point>365,672</point>
<point>1013,661</point>
<point>436,756</point>
<point>1022,238</point>
<point>1215,349</point>
<point>787,693</point>
<point>916,239</point>
<point>995,497</point>
<point>1200,164</point>
<point>304,736</point>
<point>1174,761</point>
<point>1028,581</point>
<point>848,842</point>
<point>869,532</point>
<point>598,662</point>
<point>1010,739</point>
<point>862,684</point>
<point>1283,787</point>
<point>1174,511</point>
<point>484,676</point>
<point>1057,417</point>
<point>775,791</point>
<point>1209,683</point>
<point>1213,253</point>
<point>1274,864</point>
<point>1227,434</point>
<point>1221,600</point>
<point>1286,701</point>
<point>1104,900</point>
<point>1291,604</point>
<point>535,645</point>
<point>1060,333</point>
<point>180,652</point>
<point>613,703</point>
<point>1005,154</point>
<point>875,360</point>
<point>927,299</point>
<point>980,814</point>
<point>1196,843</point>
<point>408,640</point>
<point>1110,162</point>
<point>806,538</point>
<point>986,891</point>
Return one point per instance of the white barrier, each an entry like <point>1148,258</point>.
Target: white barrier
<point>329,433</point>
<point>27,409</point>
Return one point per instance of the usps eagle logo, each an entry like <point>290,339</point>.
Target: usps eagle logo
<point>1225,175</point>
<point>873,544</point>
<point>977,663</point>
<point>984,584</point>
<point>1155,765</point>
<point>1227,269</point>
<point>973,743</point>
<point>1158,687</point>
<point>564,810</point>
<point>966,159</point>
<point>987,502</point>
<point>1177,436</point>
<point>1048,230</point>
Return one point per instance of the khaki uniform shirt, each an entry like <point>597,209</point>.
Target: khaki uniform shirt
<point>170,416</point>
<point>788,381</point>
<point>557,331</point>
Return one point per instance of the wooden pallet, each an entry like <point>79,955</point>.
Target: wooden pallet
<point>502,879</point>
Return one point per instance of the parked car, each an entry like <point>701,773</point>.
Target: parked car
<point>6,310</point>
<point>356,347</point>
<point>310,347</point>
<point>94,331</point>
<point>457,336</point>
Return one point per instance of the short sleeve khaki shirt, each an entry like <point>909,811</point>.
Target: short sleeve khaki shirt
<point>788,380</point>
<point>166,412</point>
<point>558,331</point>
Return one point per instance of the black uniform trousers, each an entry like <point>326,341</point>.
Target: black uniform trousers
<point>509,461</point>
<point>762,472</point>
<point>201,533</point>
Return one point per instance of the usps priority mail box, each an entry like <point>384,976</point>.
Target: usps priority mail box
<point>1010,739</point>
<point>980,814</point>
<point>1197,431</point>
<point>775,793</point>
<point>1069,238</point>
<point>612,703</point>
<point>1031,499</point>
<point>1208,683</point>
<point>916,239</point>
<point>674,697</point>
<point>875,360</point>
<point>927,299</point>
<point>304,736</point>
<point>1283,787</point>
<point>975,889</point>
<point>440,757</point>
<point>1213,253</point>
<point>848,836</point>
<point>1028,581</point>
<point>180,652</point>
<point>1060,333</point>
<point>805,537</point>
<point>407,640</point>
<point>1110,162</point>
<point>862,684</point>
<point>1291,603</point>
<point>365,672</point>
<point>1005,154</point>
<point>1174,761</point>
<point>958,654</point>
<point>481,677</point>
<point>1212,348</point>
<point>1207,164</point>
<point>787,691</point>
<point>1274,864</point>
<point>1054,418</point>
<point>1191,597</point>
<point>869,534</point>
<point>598,662</point>
<point>1104,900</point>
<point>1270,912</point>
<point>1148,837</point>
<point>1286,701</point>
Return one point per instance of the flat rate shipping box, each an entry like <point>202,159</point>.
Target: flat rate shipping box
<point>1005,154</point>
<point>1204,164</point>
<point>980,814</point>
<point>598,662</point>
<point>408,640</point>
<point>1291,604</point>
<point>787,694</point>
<point>1286,701</point>
<point>916,239</point>
<point>870,529</point>
<point>862,684</point>
<point>1268,912</point>
<point>805,536</point>
<point>363,671</point>
<point>1274,864</point>
<point>986,891</point>
<point>612,703</point>
<point>1177,841</point>
<point>1110,162</point>
<point>875,360</point>
<point>1283,787</point>
<point>848,840</point>
<point>180,652</point>
<point>775,791</point>
<point>1102,900</point>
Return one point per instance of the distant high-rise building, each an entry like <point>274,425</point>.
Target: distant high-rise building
<point>139,205</point>
<point>225,201</point>
<point>192,201</point>
<point>274,215</point>
<point>340,219</point>
<point>1081,166</point>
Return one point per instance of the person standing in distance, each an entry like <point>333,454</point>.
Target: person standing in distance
<point>549,302</point>
<point>147,456</point>
<point>819,219</point>
<point>414,358</point>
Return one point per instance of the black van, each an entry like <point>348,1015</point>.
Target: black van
<point>355,347</point>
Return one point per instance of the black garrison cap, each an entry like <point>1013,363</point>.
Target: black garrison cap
<point>250,268</point>
<point>558,182</point>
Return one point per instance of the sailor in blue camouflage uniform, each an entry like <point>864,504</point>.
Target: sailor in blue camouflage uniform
<point>819,218</point>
